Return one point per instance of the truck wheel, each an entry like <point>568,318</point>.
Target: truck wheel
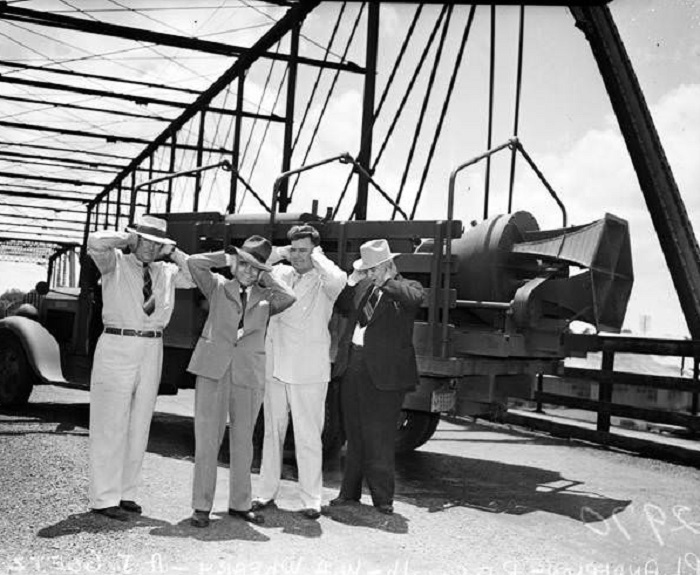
<point>414,428</point>
<point>16,375</point>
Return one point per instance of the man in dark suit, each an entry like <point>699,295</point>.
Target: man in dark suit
<point>378,365</point>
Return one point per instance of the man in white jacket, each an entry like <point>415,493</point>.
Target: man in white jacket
<point>298,368</point>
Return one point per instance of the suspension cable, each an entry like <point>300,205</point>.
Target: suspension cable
<point>260,101</point>
<point>518,86</point>
<point>424,107</point>
<point>328,96</point>
<point>401,107</point>
<point>264,136</point>
<point>443,113</point>
<point>385,94</point>
<point>319,74</point>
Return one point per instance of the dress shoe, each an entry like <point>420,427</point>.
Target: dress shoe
<point>130,506</point>
<point>385,508</point>
<point>259,504</point>
<point>340,500</point>
<point>113,512</point>
<point>199,518</point>
<point>250,516</point>
<point>311,513</point>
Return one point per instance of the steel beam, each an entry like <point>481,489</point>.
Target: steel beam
<point>107,137</point>
<point>668,213</point>
<point>82,108</point>
<point>283,197</point>
<point>140,100</point>
<point>364,158</point>
<point>236,150</point>
<point>270,38</point>
<point>47,227</point>
<point>18,65</point>
<point>16,204</point>
<point>33,217</point>
<point>61,149</point>
<point>50,179</point>
<point>42,196</point>
<point>29,16</point>
<point>96,164</point>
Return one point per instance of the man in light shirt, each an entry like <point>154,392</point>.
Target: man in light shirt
<point>138,293</point>
<point>298,368</point>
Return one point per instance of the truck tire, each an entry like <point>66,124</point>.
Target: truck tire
<point>16,375</point>
<point>414,428</point>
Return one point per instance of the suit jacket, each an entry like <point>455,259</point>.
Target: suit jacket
<point>219,345</point>
<point>388,343</point>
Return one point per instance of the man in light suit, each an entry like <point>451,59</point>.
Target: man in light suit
<point>299,368</point>
<point>378,364</point>
<point>229,362</point>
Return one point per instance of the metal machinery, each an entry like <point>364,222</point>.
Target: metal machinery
<point>497,303</point>
<point>500,295</point>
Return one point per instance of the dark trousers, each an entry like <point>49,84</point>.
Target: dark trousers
<point>369,417</point>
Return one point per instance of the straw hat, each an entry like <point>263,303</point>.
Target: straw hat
<point>373,253</point>
<point>152,228</point>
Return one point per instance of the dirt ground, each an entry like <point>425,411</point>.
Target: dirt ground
<point>476,499</point>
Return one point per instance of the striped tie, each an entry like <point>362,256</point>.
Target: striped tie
<point>368,308</point>
<point>149,300</point>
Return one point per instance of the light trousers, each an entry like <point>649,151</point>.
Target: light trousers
<point>307,403</point>
<point>123,390</point>
<point>214,399</point>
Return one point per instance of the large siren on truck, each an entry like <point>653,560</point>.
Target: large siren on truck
<point>499,296</point>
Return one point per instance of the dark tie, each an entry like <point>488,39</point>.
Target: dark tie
<point>244,301</point>
<point>368,308</point>
<point>149,300</point>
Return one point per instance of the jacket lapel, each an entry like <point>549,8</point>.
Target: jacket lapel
<point>254,297</point>
<point>232,289</point>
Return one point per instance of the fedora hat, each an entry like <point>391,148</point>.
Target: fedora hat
<point>152,228</point>
<point>373,253</point>
<point>256,251</point>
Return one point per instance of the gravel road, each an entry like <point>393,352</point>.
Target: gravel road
<point>475,500</point>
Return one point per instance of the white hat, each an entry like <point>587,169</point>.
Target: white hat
<point>373,253</point>
<point>152,228</point>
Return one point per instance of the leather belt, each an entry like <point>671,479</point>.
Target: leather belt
<point>134,332</point>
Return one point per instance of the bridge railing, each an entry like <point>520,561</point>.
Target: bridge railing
<point>608,377</point>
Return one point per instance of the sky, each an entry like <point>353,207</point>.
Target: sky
<point>566,125</point>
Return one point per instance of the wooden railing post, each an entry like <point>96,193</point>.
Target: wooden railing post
<point>605,389</point>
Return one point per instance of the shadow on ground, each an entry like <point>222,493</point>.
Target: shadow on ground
<point>221,528</point>
<point>438,482</point>
<point>92,523</point>
<point>430,480</point>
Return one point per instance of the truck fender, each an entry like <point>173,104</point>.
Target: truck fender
<point>40,346</point>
